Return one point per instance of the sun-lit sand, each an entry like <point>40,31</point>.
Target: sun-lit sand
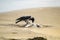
<point>49,18</point>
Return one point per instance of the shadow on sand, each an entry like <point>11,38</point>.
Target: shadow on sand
<point>17,25</point>
<point>37,38</point>
<point>12,25</point>
<point>34,38</point>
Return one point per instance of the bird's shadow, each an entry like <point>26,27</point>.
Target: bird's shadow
<point>22,26</point>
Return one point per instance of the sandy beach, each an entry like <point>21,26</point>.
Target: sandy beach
<point>49,18</point>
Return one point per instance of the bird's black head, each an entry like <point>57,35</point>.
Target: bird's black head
<point>32,19</point>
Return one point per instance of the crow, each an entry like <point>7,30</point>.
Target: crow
<point>28,19</point>
<point>25,18</point>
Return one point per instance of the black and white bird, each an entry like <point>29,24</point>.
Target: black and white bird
<point>28,19</point>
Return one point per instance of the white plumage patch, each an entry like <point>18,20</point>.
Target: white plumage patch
<point>31,24</point>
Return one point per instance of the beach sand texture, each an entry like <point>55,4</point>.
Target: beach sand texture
<point>49,18</point>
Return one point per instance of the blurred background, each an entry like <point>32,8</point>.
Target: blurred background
<point>9,5</point>
<point>45,12</point>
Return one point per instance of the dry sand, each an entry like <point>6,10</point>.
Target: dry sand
<point>49,17</point>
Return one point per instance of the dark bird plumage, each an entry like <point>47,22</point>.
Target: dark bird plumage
<point>25,18</point>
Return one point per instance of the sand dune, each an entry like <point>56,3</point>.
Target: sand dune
<point>48,17</point>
